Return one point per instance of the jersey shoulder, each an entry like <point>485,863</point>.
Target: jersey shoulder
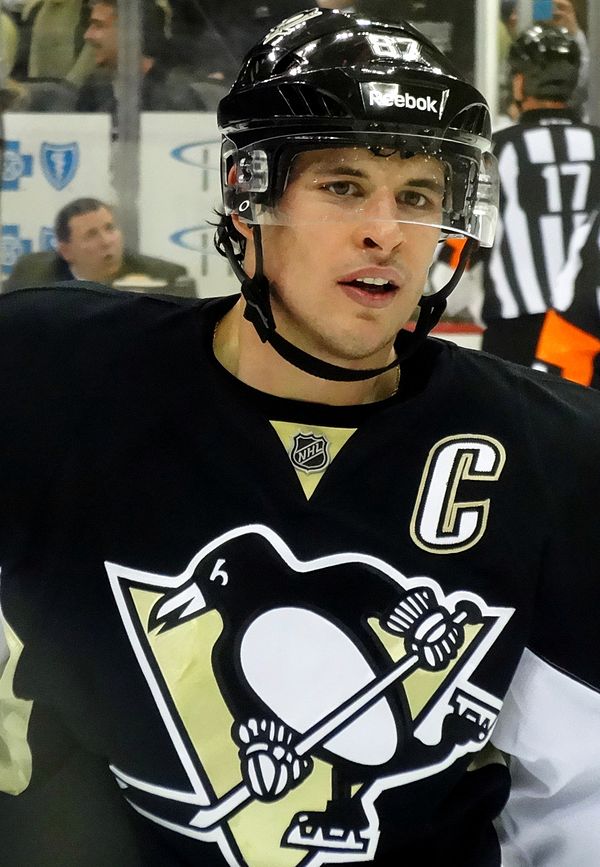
<point>559,415</point>
<point>72,320</point>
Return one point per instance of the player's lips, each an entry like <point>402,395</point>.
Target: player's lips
<point>373,285</point>
<point>375,278</point>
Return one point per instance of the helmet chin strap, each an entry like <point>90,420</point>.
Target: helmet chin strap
<point>256,291</point>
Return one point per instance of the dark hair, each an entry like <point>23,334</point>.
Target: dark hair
<point>76,208</point>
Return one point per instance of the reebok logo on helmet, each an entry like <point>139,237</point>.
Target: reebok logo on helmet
<point>403,100</point>
<point>378,95</point>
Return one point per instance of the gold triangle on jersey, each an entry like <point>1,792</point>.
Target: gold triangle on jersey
<point>311,449</point>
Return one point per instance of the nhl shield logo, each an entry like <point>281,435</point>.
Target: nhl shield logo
<point>310,452</point>
<point>59,163</point>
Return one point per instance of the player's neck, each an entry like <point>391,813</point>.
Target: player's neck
<point>239,349</point>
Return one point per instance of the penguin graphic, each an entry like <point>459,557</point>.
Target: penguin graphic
<point>308,677</point>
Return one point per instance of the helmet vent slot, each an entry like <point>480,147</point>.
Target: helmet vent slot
<point>306,101</point>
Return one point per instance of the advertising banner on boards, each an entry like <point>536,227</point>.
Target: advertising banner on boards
<point>179,196</point>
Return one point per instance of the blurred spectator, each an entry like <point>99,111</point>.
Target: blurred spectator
<point>187,25</point>
<point>507,31</point>
<point>90,247</point>
<point>549,164</point>
<point>164,87</point>
<point>57,48</point>
<point>564,16</point>
<point>45,57</point>
<point>509,18</point>
<point>9,42</point>
<point>10,91</point>
<point>569,342</point>
<point>23,13</point>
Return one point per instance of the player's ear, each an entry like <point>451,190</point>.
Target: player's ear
<point>63,249</point>
<point>242,227</point>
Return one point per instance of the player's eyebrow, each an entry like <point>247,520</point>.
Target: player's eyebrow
<point>427,184</point>
<point>326,168</point>
<point>342,170</point>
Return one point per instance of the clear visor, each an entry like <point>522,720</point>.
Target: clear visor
<point>421,180</point>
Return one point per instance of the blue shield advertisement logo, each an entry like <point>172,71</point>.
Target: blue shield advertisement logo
<point>47,239</point>
<point>16,166</point>
<point>59,163</point>
<point>13,247</point>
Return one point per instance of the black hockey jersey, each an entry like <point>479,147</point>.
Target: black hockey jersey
<point>235,601</point>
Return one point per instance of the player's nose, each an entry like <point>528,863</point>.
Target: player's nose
<point>379,224</point>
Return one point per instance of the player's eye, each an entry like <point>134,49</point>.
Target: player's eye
<point>414,199</point>
<point>343,189</point>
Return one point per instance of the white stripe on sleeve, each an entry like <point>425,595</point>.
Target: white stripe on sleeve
<point>550,727</point>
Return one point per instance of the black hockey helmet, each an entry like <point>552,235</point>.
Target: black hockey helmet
<point>549,58</point>
<point>334,79</point>
<point>329,79</point>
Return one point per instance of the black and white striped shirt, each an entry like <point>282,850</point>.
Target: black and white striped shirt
<point>549,167</point>
<point>578,284</point>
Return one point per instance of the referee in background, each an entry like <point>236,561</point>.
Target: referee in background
<point>549,166</point>
<point>569,342</point>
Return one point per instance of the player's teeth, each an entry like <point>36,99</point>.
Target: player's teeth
<point>373,281</point>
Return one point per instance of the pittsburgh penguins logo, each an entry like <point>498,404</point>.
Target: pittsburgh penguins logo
<point>294,692</point>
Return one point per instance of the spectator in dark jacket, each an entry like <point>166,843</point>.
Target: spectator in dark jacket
<point>90,247</point>
<point>163,86</point>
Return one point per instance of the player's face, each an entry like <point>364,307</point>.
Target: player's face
<point>95,246</point>
<point>102,35</point>
<point>346,274</point>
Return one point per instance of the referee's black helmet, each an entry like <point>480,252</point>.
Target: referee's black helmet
<point>549,59</point>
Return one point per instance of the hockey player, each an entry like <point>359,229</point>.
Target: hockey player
<point>550,182</point>
<point>300,580</point>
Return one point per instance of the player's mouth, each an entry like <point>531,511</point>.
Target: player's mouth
<point>369,285</point>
